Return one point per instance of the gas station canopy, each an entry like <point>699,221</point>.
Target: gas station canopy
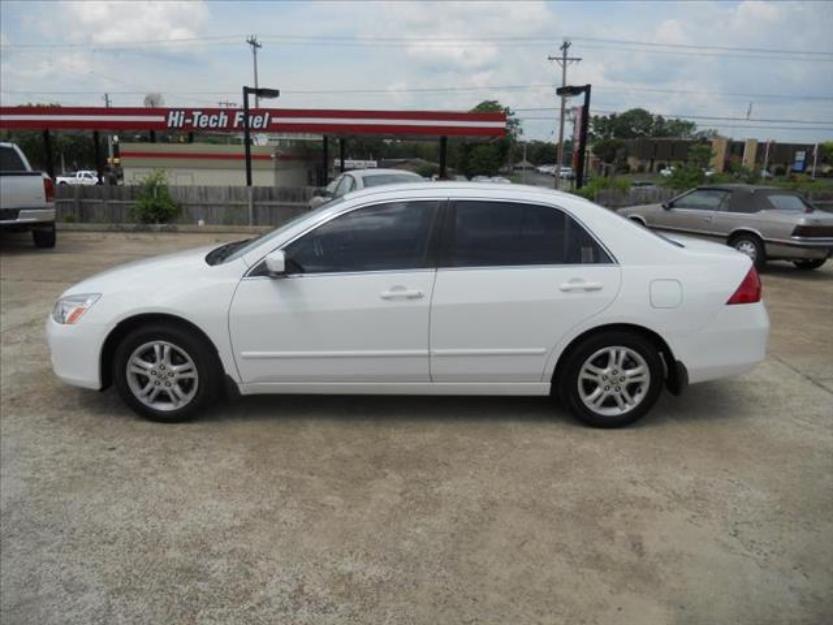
<point>318,121</point>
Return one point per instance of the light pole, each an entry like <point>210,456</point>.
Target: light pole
<point>247,141</point>
<point>568,92</point>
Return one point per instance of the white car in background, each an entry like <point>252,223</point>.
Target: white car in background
<point>445,288</point>
<point>358,179</point>
<point>83,177</point>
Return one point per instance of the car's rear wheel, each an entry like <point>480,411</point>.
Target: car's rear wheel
<point>44,237</point>
<point>808,264</point>
<point>752,246</point>
<point>165,373</point>
<point>611,379</point>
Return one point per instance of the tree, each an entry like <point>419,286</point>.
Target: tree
<point>486,158</point>
<point>693,172</point>
<point>638,122</point>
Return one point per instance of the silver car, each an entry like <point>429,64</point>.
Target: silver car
<point>361,179</point>
<point>766,223</point>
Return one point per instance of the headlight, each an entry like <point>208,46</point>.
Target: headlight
<point>68,310</point>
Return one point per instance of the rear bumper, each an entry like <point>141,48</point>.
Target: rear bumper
<point>29,217</point>
<point>733,343</point>
<point>75,351</point>
<point>799,247</point>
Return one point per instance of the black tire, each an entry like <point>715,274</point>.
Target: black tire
<point>745,242</point>
<point>808,265</point>
<point>44,237</point>
<point>567,383</point>
<point>209,379</point>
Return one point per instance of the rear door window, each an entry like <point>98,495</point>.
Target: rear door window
<point>702,199</point>
<point>493,234</point>
<point>789,202</point>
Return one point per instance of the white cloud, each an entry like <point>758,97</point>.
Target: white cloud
<point>118,22</point>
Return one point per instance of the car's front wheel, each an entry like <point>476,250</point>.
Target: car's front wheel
<point>809,264</point>
<point>165,373</point>
<point>611,379</point>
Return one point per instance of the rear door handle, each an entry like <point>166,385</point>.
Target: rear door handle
<point>580,285</point>
<point>400,292</point>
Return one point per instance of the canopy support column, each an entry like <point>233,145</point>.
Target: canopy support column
<point>47,149</point>
<point>97,155</point>
<point>326,162</point>
<point>443,157</point>
<point>341,148</point>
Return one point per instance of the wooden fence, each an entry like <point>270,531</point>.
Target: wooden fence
<point>272,206</point>
<point>228,206</point>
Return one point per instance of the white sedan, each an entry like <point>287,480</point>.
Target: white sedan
<point>447,288</point>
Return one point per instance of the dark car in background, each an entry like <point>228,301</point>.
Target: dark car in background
<point>765,223</point>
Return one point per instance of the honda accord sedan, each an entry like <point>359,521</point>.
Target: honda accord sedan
<point>449,288</point>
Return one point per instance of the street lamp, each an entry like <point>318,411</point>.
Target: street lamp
<point>260,92</point>
<point>569,92</point>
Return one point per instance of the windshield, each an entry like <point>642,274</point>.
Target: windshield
<point>380,179</point>
<point>253,243</point>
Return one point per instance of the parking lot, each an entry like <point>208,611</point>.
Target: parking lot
<point>716,508</point>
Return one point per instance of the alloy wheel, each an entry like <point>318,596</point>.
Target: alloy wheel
<point>747,247</point>
<point>162,376</point>
<point>613,381</point>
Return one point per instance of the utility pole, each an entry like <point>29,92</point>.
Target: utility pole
<point>252,41</point>
<point>562,60</point>
<point>110,163</point>
<point>226,104</point>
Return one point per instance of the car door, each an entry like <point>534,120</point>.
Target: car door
<point>693,212</point>
<point>514,278</point>
<point>354,307</point>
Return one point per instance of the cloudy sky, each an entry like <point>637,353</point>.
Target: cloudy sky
<point>705,60</point>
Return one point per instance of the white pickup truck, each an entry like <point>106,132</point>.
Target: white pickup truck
<point>83,177</point>
<point>27,198</point>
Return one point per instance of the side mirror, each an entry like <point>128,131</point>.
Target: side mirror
<point>666,205</point>
<point>276,264</point>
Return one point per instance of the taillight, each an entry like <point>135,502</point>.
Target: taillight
<point>749,290</point>
<point>49,189</point>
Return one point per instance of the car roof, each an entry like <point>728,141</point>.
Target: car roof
<point>737,186</point>
<point>371,172</point>
<point>456,187</point>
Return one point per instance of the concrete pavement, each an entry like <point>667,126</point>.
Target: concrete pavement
<point>716,508</point>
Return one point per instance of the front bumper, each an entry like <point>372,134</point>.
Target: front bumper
<point>75,352</point>
<point>732,343</point>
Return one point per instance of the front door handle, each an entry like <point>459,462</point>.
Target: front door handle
<point>580,285</point>
<point>400,292</point>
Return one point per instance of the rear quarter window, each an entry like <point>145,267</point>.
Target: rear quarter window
<point>10,160</point>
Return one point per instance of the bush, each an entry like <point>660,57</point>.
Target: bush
<point>155,204</point>
<point>592,189</point>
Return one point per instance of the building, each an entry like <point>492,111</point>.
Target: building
<point>205,164</point>
<point>652,154</point>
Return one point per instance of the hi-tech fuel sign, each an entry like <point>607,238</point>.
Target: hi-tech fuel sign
<point>194,119</point>
<point>316,121</point>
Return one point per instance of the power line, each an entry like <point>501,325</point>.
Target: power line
<point>739,126</point>
<point>706,47</point>
<point>532,86</point>
<point>685,116</point>
<point>335,40</point>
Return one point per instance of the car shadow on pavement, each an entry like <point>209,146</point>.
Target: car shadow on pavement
<point>788,270</point>
<point>709,401</point>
